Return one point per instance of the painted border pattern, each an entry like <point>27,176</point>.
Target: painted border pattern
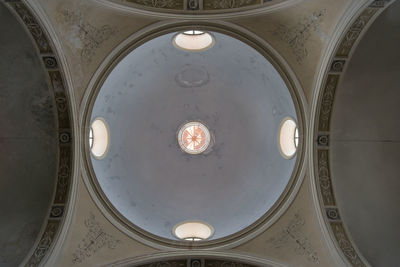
<point>196,262</point>
<point>65,152</point>
<point>325,106</point>
<point>197,5</point>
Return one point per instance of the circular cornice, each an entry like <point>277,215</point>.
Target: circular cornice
<point>98,79</point>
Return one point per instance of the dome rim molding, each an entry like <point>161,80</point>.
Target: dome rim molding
<point>143,10</point>
<point>128,45</point>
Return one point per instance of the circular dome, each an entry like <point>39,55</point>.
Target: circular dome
<point>236,99</point>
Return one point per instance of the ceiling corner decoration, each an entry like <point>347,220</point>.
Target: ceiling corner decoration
<point>325,105</point>
<point>197,6</point>
<point>59,90</point>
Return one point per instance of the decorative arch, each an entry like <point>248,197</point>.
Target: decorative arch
<point>185,9</point>
<point>61,199</point>
<point>196,259</point>
<point>323,104</point>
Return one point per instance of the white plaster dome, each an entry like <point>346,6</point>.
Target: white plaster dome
<point>149,180</point>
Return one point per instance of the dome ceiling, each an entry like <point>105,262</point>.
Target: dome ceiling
<point>231,89</point>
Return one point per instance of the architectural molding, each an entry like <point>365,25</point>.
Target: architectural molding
<point>238,10</point>
<point>127,46</point>
<point>49,49</point>
<point>230,259</point>
<point>314,123</point>
<point>346,37</point>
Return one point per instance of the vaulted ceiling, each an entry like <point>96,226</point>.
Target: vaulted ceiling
<point>28,142</point>
<point>332,66</point>
<point>365,141</point>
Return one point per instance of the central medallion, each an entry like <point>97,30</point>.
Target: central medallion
<point>194,137</point>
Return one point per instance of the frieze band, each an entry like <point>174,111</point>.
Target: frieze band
<point>197,5</point>
<point>196,263</point>
<point>63,184</point>
<point>325,106</point>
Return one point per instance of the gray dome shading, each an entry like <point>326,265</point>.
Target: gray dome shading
<point>156,88</point>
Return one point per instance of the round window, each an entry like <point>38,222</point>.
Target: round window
<point>193,40</point>
<point>193,231</point>
<point>288,138</point>
<point>194,137</point>
<point>99,137</point>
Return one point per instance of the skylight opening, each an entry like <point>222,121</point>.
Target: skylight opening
<point>193,40</point>
<point>194,137</point>
<point>99,138</point>
<point>193,231</point>
<point>288,138</point>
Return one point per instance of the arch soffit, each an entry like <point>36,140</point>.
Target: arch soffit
<point>196,258</point>
<point>334,229</point>
<point>202,9</point>
<point>59,215</point>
